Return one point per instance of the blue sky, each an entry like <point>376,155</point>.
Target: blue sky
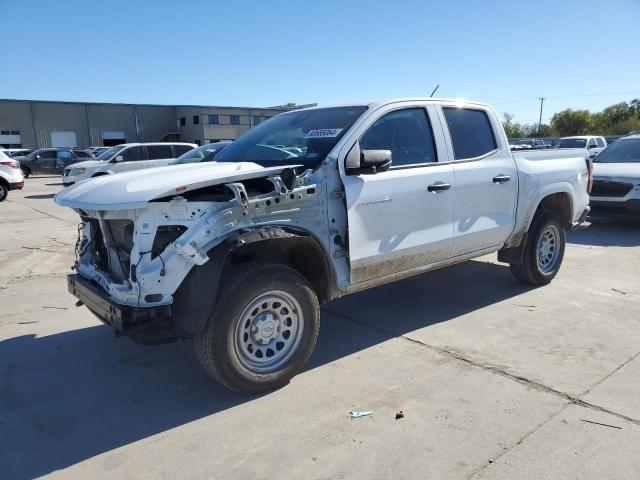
<point>261,53</point>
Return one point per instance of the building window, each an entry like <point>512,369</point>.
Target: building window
<point>213,119</point>
<point>183,121</point>
<point>196,119</point>
<point>256,119</point>
<point>234,119</point>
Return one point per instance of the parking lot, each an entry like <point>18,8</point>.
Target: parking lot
<point>497,380</point>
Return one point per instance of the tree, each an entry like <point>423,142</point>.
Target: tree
<point>513,130</point>
<point>572,122</point>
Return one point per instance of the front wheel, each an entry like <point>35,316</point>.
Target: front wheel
<point>262,330</point>
<point>25,172</point>
<point>543,252</point>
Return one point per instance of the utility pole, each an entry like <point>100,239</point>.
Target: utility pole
<point>542,99</point>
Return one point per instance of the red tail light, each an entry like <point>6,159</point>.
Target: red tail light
<point>590,170</point>
<point>11,163</point>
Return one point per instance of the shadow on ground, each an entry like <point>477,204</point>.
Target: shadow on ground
<point>605,231</point>
<point>67,397</point>
<point>40,197</point>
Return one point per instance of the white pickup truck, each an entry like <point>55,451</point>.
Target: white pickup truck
<point>311,205</point>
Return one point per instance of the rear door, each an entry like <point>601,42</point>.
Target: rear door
<point>45,162</point>
<point>401,218</point>
<point>158,155</point>
<point>485,177</point>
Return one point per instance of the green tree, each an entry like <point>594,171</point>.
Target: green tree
<point>511,128</point>
<point>572,122</point>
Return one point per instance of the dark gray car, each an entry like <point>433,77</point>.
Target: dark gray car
<point>51,160</point>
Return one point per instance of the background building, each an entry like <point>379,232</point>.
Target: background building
<point>39,124</point>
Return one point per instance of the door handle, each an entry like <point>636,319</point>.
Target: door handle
<point>501,178</point>
<point>438,187</point>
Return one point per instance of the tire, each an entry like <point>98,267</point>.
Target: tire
<point>25,172</point>
<point>240,326</point>
<point>4,191</point>
<point>542,256</point>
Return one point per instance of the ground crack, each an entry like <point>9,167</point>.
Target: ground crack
<point>497,371</point>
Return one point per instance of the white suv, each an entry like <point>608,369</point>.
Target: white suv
<point>125,157</point>
<point>11,177</point>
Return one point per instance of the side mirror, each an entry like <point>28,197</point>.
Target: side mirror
<point>367,161</point>
<point>592,146</point>
<point>119,158</point>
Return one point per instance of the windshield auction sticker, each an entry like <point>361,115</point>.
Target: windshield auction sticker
<point>324,133</point>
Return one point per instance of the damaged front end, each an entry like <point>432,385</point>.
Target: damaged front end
<point>131,261</point>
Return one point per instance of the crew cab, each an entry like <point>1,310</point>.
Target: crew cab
<point>124,158</point>
<point>311,205</point>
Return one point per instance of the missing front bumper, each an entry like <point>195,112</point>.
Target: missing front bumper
<point>144,325</point>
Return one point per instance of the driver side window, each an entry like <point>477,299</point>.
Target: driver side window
<point>407,133</point>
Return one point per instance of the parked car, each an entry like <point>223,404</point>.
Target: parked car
<point>66,158</point>
<point>17,152</point>
<point>592,143</point>
<point>616,178</point>
<point>10,175</point>
<point>203,153</point>
<point>98,150</point>
<point>50,160</point>
<point>528,144</point>
<point>125,157</point>
<point>237,254</point>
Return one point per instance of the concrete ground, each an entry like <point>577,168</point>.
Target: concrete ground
<point>497,380</point>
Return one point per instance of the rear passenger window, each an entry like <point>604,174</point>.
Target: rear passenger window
<point>133,154</point>
<point>180,149</point>
<point>406,133</point>
<point>157,152</point>
<point>600,141</point>
<point>471,132</point>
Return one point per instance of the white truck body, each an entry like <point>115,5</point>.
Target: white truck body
<point>362,227</point>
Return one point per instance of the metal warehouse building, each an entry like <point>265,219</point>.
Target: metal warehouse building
<point>39,124</point>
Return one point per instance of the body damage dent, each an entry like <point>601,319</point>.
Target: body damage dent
<point>208,224</point>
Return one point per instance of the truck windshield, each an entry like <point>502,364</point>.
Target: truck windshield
<point>109,154</point>
<point>572,143</point>
<point>622,151</point>
<point>303,137</point>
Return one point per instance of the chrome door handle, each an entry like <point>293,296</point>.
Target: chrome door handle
<point>501,178</point>
<point>438,187</point>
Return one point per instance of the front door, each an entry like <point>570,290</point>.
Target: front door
<point>401,218</point>
<point>486,181</point>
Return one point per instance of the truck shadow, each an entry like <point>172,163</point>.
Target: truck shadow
<point>70,396</point>
<point>608,231</point>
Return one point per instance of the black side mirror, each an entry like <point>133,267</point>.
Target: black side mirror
<point>592,146</point>
<point>367,161</point>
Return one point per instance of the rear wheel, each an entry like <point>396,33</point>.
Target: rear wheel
<point>25,172</point>
<point>262,330</point>
<point>544,250</point>
<point>4,191</point>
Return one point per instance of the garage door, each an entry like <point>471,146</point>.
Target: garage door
<point>64,139</point>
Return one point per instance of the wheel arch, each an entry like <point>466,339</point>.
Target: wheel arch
<point>294,247</point>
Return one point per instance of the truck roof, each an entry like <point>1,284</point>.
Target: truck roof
<point>380,103</point>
